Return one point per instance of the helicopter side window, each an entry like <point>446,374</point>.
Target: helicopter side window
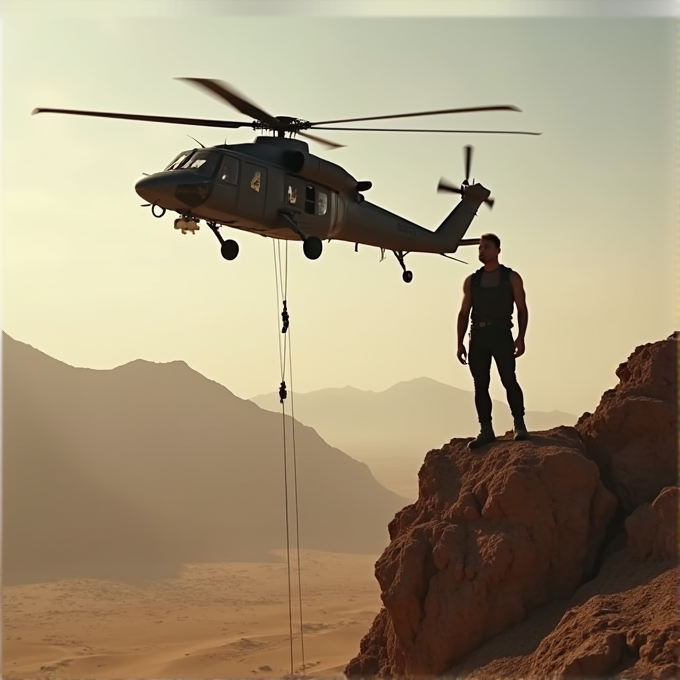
<point>322,203</point>
<point>310,202</point>
<point>291,194</point>
<point>229,170</point>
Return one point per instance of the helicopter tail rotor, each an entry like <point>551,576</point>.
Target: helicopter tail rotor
<point>446,186</point>
<point>468,163</point>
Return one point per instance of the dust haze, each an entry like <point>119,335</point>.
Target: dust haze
<point>144,527</point>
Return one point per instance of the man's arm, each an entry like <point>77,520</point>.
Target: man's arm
<point>521,302</point>
<point>465,307</point>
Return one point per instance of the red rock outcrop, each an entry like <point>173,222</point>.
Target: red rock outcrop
<point>499,535</point>
<point>491,537</point>
<point>652,527</point>
<point>633,433</point>
<point>622,624</point>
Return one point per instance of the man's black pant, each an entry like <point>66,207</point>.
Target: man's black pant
<point>494,342</point>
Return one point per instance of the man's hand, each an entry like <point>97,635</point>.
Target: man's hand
<point>519,347</point>
<point>461,353</point>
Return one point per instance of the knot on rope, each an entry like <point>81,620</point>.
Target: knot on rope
<point>282,391</point>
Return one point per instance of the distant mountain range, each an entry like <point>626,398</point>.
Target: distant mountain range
<point>131,472</point>
<point>392,430</point>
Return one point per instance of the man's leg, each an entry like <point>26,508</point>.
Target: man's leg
<point>479,360</point>
<point>504,356</point>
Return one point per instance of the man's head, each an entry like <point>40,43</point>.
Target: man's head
<point>489,248</point>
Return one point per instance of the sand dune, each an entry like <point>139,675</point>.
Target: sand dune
<point>214,621</point>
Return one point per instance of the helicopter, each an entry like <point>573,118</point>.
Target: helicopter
<point>276,188</point>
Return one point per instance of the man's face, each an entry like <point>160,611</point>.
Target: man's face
<point>488,251</point>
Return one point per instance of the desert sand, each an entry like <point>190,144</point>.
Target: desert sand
<point>214,621</point>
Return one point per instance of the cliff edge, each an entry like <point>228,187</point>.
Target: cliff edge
<point>553,557</point>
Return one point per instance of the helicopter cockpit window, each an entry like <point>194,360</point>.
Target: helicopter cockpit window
<point>322,203</point>
<point>229,170</point>
<point>204,162</point>
<point>178,160</point>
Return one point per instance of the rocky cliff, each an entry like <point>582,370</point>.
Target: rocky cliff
<point>552,557</point>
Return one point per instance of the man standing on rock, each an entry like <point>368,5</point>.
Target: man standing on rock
<point>491,294</point>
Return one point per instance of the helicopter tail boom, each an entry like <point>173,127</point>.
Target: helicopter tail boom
<point>452,230</point>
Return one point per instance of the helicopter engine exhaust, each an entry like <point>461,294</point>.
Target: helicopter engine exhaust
<point>317,169</point>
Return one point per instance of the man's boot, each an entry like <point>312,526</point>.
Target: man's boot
<point>521,432</point>
<point>486,436</point>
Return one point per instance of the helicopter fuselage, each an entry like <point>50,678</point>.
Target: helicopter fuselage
<point>276,188</point>
<point>249,187</point>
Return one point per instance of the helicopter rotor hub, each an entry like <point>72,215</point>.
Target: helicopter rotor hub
<point>287,125</point>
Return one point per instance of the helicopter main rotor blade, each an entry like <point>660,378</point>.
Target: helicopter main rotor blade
<point>468,162</point>
<point>465,132</point>
<point>321,140</point>
<point>152,119</point>
<point>226,93</point>
<point>420,113</point>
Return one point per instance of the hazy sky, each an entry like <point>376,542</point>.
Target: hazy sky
<point>585,212</point>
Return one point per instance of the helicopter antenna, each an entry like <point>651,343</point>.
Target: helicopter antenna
<point>197,142</point>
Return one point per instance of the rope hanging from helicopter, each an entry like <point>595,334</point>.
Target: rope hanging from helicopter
<point>281,276</point>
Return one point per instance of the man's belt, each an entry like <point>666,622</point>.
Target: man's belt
<point>483,324</point>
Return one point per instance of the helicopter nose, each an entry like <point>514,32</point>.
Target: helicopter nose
<point>174,190</point>
<point>156,188</point>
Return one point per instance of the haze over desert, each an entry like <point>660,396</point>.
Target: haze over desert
<point>129,550</point>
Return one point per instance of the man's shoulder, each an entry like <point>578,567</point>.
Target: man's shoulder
<point>476,276</point>
<point>510,272</point>
<point>514,278</point>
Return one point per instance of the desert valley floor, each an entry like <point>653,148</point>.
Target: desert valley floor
<point>216,620</point>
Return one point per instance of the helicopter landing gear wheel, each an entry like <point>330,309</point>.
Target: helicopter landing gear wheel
<point>407,276</point>
<point>229,250</point>
<point>312,247</point>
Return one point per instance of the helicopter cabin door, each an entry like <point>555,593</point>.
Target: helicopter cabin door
<point>252,192</point>
<point>312,202</point>
<point>224,197</point>
<point>317,209</point>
